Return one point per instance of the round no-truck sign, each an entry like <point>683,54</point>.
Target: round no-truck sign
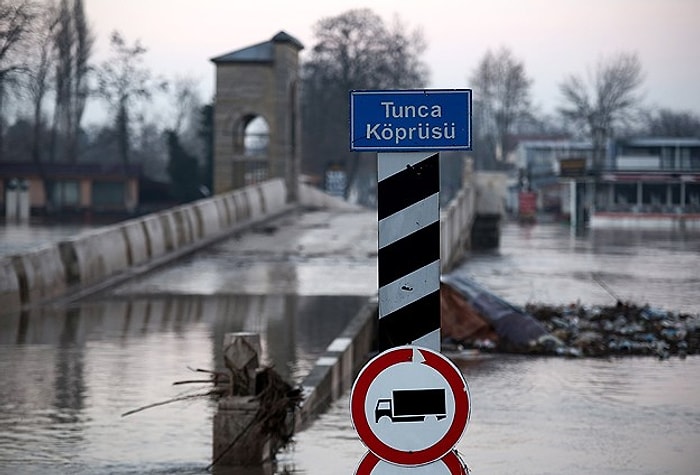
<point>410,405</point>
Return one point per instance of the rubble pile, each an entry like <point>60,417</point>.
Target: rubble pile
<point>622,329</point>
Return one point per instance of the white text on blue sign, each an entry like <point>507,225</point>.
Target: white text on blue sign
<point>410,120</point>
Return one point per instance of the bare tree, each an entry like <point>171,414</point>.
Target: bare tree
<point>669,123</point>
<point>123,80</point>
<point>16,17</point>
<point>502,90</point>
<point>354,50</point>
<point>607,98</point>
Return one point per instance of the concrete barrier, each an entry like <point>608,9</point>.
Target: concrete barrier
<point>41,274</point>
<point>155,233</point>
<point>455,226</point>
<point>253,197</point>
<point>91,257</point>
<point>336,369</point>
<point>273,194</point>
<point>222,210</point>
<point>193,223</point>
<point>230,208</point>
<point>208,217</point>
<point>242,202</point>
<point>137,242</point>
<point>183,228</point>
<point>10,299</point>
<point>169,227</point>
<point>312,197</point>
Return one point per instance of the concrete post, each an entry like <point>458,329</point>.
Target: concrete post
<point>23,202</point>
<point>237,438</point>
<point>11,200</point>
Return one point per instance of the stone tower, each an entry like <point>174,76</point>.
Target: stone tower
<point>257,132</point>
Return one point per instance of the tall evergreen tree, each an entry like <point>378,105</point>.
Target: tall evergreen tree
<point>73,43</point>
<point>183,170</point>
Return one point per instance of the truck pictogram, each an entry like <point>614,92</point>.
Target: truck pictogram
<point>411,405</point>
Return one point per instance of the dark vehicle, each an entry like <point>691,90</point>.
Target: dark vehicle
<point>412,405</point>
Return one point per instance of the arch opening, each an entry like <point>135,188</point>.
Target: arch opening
<point>256,137</point>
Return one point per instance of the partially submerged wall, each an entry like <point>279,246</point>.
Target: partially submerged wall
<point>104,256</point>
<point>336,369</point>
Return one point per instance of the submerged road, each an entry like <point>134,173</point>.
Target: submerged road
<point>302,253</point>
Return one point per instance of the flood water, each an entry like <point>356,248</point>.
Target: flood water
<point>67,374</point>
<point>548,415</point>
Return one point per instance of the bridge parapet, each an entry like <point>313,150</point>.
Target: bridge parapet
<point>455,227</point>
<point>108,255</point>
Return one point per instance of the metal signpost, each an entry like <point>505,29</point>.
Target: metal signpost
<point>409,405</point>
<point>417,124</point>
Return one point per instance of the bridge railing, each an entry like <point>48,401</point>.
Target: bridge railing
<point>455,226</point>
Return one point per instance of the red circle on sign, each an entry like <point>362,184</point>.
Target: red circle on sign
<point>404,354</point>
<point>451,461</point>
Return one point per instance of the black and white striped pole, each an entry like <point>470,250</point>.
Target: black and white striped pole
<point>408,128</point>
<point>408,206</point>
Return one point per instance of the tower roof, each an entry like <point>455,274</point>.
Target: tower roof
<point>258,53</point>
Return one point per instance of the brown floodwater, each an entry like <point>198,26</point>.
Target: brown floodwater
<point>67,374</point>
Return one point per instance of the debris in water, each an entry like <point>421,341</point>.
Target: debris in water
<point>473,318</point>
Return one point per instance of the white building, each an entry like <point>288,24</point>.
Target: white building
<point>643,182</point>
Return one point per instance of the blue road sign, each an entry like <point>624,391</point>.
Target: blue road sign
<point>410,120</point>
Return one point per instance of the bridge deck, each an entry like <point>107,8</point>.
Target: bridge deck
<point>303,253</point>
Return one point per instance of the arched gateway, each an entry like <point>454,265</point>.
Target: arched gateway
<point>256,115</point>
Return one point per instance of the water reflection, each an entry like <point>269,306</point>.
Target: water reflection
<point>547,264</point>
<point>67,374</point>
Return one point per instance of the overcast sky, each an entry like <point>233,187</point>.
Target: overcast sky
<point>554,38</point>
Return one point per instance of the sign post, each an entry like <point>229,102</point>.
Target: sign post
<point>417,124</point>
<point>409,405</point>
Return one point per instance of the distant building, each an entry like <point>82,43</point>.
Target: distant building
<point>538,163</point>
<point>62,188</point>
<point>647,182</point>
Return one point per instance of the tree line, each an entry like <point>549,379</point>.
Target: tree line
<point>357,50</point>
<point>48,75</point>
